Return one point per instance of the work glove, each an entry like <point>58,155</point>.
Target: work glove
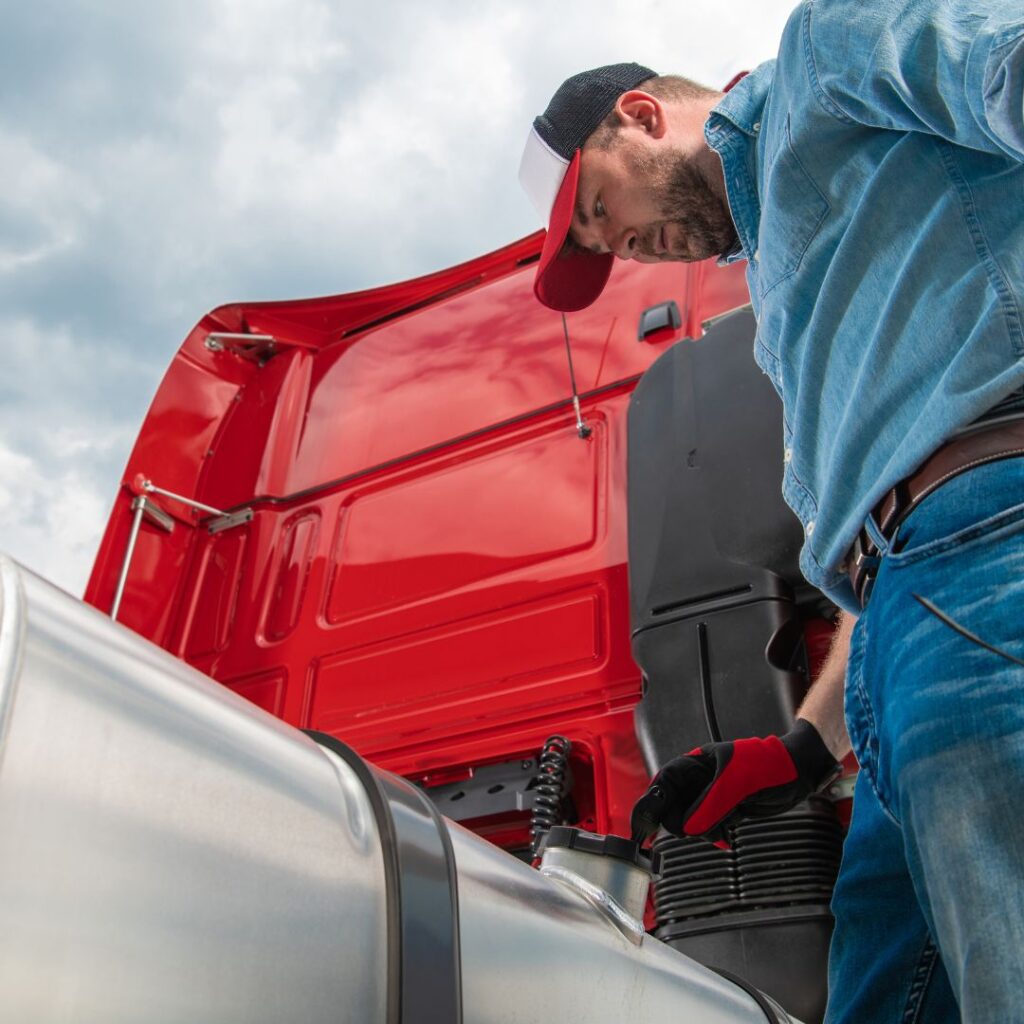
<point>716,785</point>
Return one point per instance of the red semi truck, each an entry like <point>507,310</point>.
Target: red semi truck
<point>514,560</point>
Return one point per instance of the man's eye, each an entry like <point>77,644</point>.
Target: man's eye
<point>598,209</point>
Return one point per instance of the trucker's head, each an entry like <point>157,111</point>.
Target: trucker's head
<point>618,166</point>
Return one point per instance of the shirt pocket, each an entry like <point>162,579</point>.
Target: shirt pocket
<point>793,211</point>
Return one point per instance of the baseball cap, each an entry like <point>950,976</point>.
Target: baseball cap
<point>549,172</point>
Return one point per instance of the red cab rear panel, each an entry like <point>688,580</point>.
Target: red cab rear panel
<point>435,566</point>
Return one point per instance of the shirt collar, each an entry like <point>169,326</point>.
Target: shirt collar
<point>732,131</point>
<point>743,105</point>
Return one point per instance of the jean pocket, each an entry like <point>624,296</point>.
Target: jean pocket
<point>1002,524</point>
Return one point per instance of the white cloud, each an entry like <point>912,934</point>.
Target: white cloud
<point>45,198</point>
<point>51,519</point>
<point>61,446</point>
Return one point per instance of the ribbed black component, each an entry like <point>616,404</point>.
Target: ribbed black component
<point>788,861</point>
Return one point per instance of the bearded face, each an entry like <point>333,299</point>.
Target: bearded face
<point>692,221</point>
<point>650,203</point>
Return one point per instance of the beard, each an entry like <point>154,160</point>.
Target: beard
<point>682,193</point>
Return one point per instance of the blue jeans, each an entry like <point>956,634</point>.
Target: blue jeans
<point>929,905</point>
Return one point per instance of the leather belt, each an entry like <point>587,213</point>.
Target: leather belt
<point>986,443</point>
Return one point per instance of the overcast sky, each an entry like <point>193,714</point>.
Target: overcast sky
<point>160,159</point>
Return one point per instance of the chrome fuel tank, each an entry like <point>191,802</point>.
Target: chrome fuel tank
<point>169,852</point>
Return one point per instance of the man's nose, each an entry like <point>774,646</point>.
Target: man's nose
<point>626,245</point>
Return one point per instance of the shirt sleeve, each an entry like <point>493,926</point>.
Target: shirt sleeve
<point>951,68</point>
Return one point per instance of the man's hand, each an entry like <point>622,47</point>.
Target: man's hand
<point>716,785</point>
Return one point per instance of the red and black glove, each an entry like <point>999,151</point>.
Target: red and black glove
<point>715,786</point>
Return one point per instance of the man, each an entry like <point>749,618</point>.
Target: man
<point>872,178</point>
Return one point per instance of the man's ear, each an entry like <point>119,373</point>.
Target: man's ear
<point>639,109</point>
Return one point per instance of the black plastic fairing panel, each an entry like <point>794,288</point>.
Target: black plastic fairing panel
<point>707,521</point>
<point>713,548</point>
<point>717,633</point>
<point>708,678</point>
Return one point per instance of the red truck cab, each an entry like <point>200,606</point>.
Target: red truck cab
<point>376,516</point>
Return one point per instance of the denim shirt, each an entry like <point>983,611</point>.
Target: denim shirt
<point>875,174</point>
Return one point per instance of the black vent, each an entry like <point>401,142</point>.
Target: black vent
<point>787,861</point>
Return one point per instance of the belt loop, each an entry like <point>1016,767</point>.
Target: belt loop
<point>863,566</point>
<point>876,535</point>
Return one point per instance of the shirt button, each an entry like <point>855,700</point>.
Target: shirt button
<point>757,255</point>
<point>757,126</point>
<point>809,528</point>
<point>787,455</point>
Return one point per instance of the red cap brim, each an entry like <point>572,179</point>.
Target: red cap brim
<point>572,280</point>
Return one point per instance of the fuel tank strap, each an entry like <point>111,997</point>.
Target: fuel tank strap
<point>774,1013</point>
<point>424,959</point>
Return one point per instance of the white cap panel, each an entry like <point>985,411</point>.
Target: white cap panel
<point>541,172</point>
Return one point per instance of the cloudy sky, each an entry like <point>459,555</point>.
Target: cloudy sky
<point>163,158</point>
